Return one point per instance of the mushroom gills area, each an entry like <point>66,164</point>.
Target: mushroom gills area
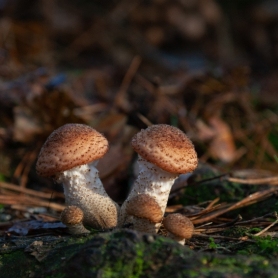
<point>84,189</point>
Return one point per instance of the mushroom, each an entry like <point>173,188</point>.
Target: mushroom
<point>70,155</point>
<point>72,217</point>
<point>164,153</point>
<point>145,211</point>
<point>179,227</point>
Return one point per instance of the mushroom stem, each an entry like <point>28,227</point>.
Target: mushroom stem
<point>153,181</point>
<point>77,229</point>
<point>144,225</point>
<point>84,189</point>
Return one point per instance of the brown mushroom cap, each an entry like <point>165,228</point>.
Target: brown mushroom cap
<point>167,147</point>
<point>144,206</point>
<point>70,146</point>
<point>179,225</point>
<point>71,215</point>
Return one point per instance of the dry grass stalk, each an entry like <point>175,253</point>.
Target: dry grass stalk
<point>35,193</point>
<point>251,199</point>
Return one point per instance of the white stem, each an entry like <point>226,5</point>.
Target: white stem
<point>153,181</point>
<point>84,189</point>
<point>144,225</point>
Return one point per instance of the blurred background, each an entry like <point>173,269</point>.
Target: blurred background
<point>208,67</point>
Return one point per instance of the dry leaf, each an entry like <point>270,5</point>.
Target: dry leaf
<point>222,145</point>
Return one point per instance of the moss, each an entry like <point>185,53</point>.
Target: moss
<point>126,253</point>
<point>264,246</point>
<point>205,185</point>
<point>267,246</point>
<point>260,209</point>
<point>16,264</point>
<point>236,231</point>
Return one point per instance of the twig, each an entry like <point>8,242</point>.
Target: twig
<point>207,211</point>
<point>228,224</point>
<point>222,237</point>
<point>201,182</point>
<point>120,100</point>
<point>212,203</point>
<point>256,219</point>
<point>25,165</point>
<point>253,198</point>
<point>146,84</point>
<point>29,201</point>
<point>268,227</point>
<point>268,180</point>
<point>144,119</point>
<point>30,192</point>
<point>27,168</point>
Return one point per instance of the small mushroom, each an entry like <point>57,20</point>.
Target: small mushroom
<point>146,213</point>
<point>164,153</point>
<point>179,227</point>
<point>70,155</point>
<point>72,217</point>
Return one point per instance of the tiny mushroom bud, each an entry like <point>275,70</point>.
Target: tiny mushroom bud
<point>72,217</point>
<point>146,213</point>
<point>179,227</point>
<point>164,153</point>
<point>70,155</point>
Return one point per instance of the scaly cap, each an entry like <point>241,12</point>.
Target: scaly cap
<point>179,225</point>
<point>144,206</point>
<point>70,146</point>
<point>71,215</point>
<point>167,147</point>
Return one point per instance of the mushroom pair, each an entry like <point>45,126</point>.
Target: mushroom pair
<point>164,153</point>
<point>70,155</point>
